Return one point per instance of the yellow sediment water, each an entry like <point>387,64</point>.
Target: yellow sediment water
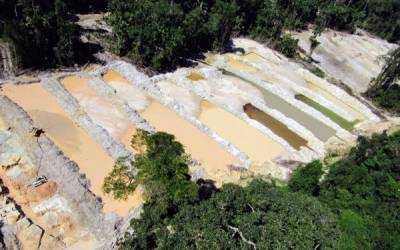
<point>258,146</point>
<point>215,160</point>
<point>93,161</point>
<point>235,64</point>
<point>328,95</point>
<point>101,111</point>
<point>112,75</point>
<point>254,57</point>
<point>194,76</point>
<point>239,65</point>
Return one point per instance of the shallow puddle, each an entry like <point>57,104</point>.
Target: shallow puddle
<point>93,161</point>
<point>127,92</point>
<point>275,126</point>
<point>112,75</point>
<point>258,146</point>
<point>318,128</point>
<point>215,160</point>
<point>102,112</point>
<point>194,76</point>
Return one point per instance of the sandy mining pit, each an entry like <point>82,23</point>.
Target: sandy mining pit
<point>102,112</point>
<point>282,80</point>
<point>93,161</point>
<point>244,115</point>
<point>213,158</point>
<point>306,81</point>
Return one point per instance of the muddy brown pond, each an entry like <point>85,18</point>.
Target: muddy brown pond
<point>275,126</point>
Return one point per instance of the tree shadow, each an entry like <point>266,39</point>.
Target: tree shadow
<point>206,188</point>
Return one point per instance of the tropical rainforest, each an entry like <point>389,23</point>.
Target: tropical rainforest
<point>162,34</point>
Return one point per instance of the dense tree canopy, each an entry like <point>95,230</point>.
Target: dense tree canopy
<point>364,190</point>
<point>162,34</point>
<point>385,88</point>
<point>258,216</point>
<point>42,32</point>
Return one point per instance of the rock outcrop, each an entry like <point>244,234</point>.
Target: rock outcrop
<point>52,163</point>
<point>7,61</point>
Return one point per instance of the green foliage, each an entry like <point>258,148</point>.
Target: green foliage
<point>221,23</point>
<point>354,231</point>
<point>318,72</point>
<point>305,178</point>
<point>384,90</point>
<point>162,170</point>
<point>162,34</point>
<point>238,218</point>
<point>268,25</point>
<point>367,182</point>
<point>363,189</point>
<point>390,73</point>
<point>287,45</point>
<point>355,206</point>
<point>42,32</point>
<point>388,99</point>
<point>120,182</point>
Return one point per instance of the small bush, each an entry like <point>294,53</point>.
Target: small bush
<point>318,72</point>
<point>387,99</point>
<point>287,45</point>
<point>305,178</point>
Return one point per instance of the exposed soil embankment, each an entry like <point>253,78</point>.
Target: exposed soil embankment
<point>73,108</point>
<point>53,164</point>
<point>113,96</point>
<point>149,86</point>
